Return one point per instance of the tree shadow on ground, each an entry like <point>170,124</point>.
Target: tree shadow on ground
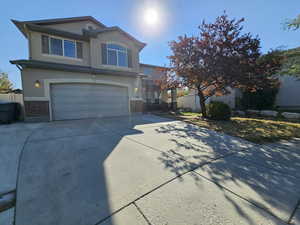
<point>262,175</point>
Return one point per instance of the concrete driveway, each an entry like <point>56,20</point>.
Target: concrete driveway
<point>150,170</point>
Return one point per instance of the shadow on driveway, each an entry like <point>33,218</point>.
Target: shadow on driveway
<point>80,172</point>
<point>267,177</point>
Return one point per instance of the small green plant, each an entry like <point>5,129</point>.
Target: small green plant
<point>218,111</point>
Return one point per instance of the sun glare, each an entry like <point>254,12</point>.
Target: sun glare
<point>151,16</point>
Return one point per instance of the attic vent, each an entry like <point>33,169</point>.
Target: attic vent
<point>90,27</point>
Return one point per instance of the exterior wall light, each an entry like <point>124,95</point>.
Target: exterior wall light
<point>37,84</point>
<point>136,90</point>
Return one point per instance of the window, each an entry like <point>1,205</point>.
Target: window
<point>69,48</point>
<point>117,55</point>
<point>61,47</point>
<point>56,46</point>
<point>112,58</point>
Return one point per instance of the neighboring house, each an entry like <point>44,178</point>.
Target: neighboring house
<point>80,68</point>
<point>154,98</point>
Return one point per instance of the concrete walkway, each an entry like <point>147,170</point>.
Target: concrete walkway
<point>148,170</point>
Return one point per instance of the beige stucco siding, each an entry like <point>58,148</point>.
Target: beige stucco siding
<point>75,27</point>
<point>29,76</point>
<point>36,52</point>
<point>91,51</point>
<point>113,37</point>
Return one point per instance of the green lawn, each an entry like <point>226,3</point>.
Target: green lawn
<point>258,130</point>
<point>194,114</point>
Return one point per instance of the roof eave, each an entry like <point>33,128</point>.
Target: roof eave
<point>71,68</point>
<point>140,44</point>
<point>21,26</point>
<point>153,66</point>
<point>52,31</point>
<point>65,20</point>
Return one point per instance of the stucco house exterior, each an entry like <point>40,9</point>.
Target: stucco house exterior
<point>153,97</point>
<point>80,68</point>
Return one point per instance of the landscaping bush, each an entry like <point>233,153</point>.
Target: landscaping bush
<point>260,99</point>
<point>218,111</point>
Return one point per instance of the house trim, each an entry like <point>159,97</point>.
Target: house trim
<point>66,20</point>
<point>61,57</point>
<point>73,68</point>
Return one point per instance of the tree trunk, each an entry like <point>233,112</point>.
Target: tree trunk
<point>202,103</point>
<point>174,99</point>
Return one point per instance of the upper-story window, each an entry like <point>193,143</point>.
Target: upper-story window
<point>117,55</point>
<point>61,47</point>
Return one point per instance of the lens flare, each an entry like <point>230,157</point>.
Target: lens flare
<point>151,16</point>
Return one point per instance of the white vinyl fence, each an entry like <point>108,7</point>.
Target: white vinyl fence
<point>192,101</point>
<point>189,102</point>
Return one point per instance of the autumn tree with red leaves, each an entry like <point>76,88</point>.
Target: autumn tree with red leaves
<point>220,57</point>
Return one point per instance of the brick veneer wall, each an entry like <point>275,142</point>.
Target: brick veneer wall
<point>136,106</point>
<point>38,109</point>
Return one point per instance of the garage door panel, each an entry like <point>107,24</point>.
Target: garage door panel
<point>88,92</point>
<point>96,110</point>
<point>88,101</point>
<point>77,101</point>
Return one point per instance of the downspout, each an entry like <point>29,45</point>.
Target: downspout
<point>29,43</point>
<point>90,56</point>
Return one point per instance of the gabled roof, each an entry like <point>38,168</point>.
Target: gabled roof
<point>37,25</point>
<point>65,20</point>
<point>95,32</point>
<point>22,24</point>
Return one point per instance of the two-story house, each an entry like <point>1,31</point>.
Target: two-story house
<point>80,68</point>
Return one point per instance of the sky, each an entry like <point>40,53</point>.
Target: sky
<point>171,19</point>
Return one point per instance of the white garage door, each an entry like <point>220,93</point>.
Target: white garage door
<point>78,101</point>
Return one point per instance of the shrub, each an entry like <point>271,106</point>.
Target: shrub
<point>260,99</point>
<point>218,111</point>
